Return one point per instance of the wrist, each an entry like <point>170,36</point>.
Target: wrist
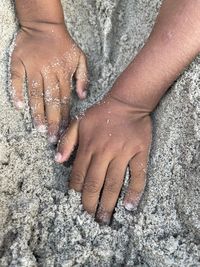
<point>38,12</point>
<point>136,90</point>
<point>131,106</point>
<point>45,28</point>
<point>41,25</point>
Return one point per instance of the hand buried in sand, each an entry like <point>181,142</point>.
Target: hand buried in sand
<point>49,58</point>
<point>111,136</point>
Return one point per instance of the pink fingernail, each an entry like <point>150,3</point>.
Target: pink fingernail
<point>58,157</point>
<point>130,206</point>
<point>84,94</point>
<point>19,104</point>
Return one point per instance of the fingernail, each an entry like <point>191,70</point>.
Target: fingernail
<point>58,157</point>
<point>103,218</point>
<point>53,139</point>
<point>130,206</point>
<point>19,104</point>
<point>41,128</point>
<point>84,94</point>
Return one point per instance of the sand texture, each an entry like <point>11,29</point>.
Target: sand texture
<point>41,223</point>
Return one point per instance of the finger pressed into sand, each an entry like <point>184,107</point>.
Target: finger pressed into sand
<point>94,181</point>
<point>111,190</point>
<point>17,72</point>
<point>79,170</point>
<point>81,75</point>
<point>67,143</point>
<point>36,99</point>
<point>138,167</point>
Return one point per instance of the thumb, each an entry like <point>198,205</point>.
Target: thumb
<point>81,75</point>
<point>67,143</point>
<point>138,168</point>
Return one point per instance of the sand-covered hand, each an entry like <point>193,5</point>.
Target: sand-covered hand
<point>48,57</point>
<point>111,136</point>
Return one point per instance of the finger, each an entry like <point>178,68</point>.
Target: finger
<point>17,72</point>
<point>81,75</point>
<point>79,170</point>
<point>52,106</point>
<point>111,190</point>
<point>65,90</point>
<point>67,142</point>
<point>36,99</point>
<point>93,182</point>
<point>138,167</point>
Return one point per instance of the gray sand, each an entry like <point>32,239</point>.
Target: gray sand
<point>42,224</point>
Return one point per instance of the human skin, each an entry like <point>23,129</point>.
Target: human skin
<point>47,55</point>
<point>117,132</point>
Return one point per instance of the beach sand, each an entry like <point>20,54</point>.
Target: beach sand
<point>43,224</point>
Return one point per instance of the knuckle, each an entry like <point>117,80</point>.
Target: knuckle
<point>36,102</point>
<point>52,101</point>
<point>111,186</point>
<point>86,147</point>
<point>65,100</point>
<point>91,186</point>
<point>15,74</point>
<point>51,97</point>
<point>76,178</point>
<point>36,94</point>
<point>35,84</point>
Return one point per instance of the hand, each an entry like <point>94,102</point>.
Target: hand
<point>49,58</point>
<point>110,136</point>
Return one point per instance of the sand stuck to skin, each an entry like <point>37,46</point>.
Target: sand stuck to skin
<point>41,223</point>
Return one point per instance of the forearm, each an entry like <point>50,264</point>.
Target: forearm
<point>172,45</point>
<point>33,12</point>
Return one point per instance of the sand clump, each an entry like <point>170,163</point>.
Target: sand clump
<point>42,224</point>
